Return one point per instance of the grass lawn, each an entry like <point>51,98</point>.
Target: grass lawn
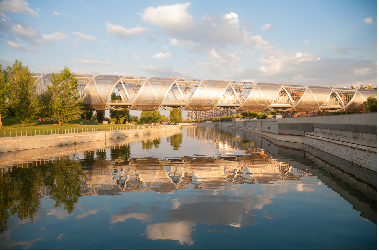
<point>11,125</point>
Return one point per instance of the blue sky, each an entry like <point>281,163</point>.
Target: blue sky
<point>331,43</point>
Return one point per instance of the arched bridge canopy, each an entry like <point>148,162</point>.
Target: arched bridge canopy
<point>139,93</point>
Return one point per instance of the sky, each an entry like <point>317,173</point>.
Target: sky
<point>330,43</point>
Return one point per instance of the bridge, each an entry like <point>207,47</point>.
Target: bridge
<point>140,93</point>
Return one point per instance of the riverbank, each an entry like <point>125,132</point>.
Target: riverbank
<point>23,143</point>
<point>42,147</point>
<point>351,137</point>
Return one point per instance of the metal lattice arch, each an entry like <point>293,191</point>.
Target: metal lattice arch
<point>140,93</point>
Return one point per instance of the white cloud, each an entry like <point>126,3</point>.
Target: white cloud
<point>136,56</point>
<point>266,27</point>
<point>18,47</point>
<point>248,51</point>
<point>181,43</point>
<point>164,47</point>
<point>260,43</point>
<point>13,45</point>
<point>165,72</point>
<point>233,17</point>
<point>342,50</point>
<point>367,20</point>
<point>87,37</point>
<point>169,16</point>
<point>96,62</point>
<point>5,61</point>
<point>208,31</point>
<point>278,61</point>
<point>305,69</point>
<point>162,55</point>
<point>56,13</point>
<point>19,29</point>
<point>20,6</point>
<point>55,36</point>
<point>123,33</point>
<point>223,57</point>
<point>307,42</point>
<point>96,72</point>
<point>238,69</point>
<point>361,71</point>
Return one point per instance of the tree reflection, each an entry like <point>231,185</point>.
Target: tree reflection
<point>101,154</point>
<point>121,152</point>
<point>20,190</point>
<point>64,182</point>
<point>175,141</point>
<point>147,145</point>
<point>156,143</point>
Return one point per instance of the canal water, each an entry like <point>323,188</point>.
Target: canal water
<point>201,189</point>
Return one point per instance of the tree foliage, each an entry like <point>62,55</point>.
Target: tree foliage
<point>88,114</point>
<point>4,93</point>
<point>148,117</point>
<point>64,97</point>
<point>370,105</point>
<point>44,100</point>
<point>119,116</point>
<point>23,97</point>
<point>176,115</point>
<point>100,116</point>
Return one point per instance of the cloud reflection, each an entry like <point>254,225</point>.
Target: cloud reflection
<point>179,231</point>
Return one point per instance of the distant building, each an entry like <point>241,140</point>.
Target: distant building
<point>193,115</point>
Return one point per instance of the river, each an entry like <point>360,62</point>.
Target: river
<point>201,189</point>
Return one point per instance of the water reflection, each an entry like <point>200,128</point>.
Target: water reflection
<point>209,188</point>
<point>22,188</point>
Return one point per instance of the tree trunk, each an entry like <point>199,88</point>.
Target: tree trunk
<point>22,123</point>
<point>1,124</point>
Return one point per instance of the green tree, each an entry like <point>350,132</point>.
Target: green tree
<point>4,93</point>
<point>23,98</point>
<point>44,100</point>
<point>146,117</point>
<point>176,115</point>
<point>114,96</point>
<point>157,117</point>
<point>88,114</point>
<point>100,116</point>
<point>65,99</point>
<point>245,114</point>
<point>253,114</point>
<point>370,105</point>
<point>119,116</point>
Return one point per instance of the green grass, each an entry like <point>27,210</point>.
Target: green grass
<point>11,126</point>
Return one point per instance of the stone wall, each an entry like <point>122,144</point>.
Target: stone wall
<point>352,137</point>
<point>57,140</point>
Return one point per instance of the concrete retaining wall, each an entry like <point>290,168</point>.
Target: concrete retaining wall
<point>14,157</point>
<point>35,142</point>
<point>352,137</point>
